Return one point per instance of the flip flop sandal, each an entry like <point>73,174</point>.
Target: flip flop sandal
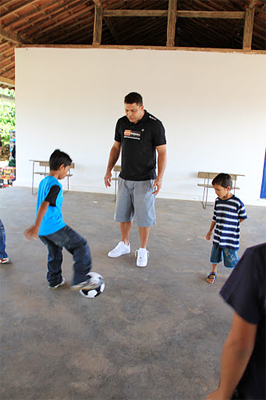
<point>212,276</point>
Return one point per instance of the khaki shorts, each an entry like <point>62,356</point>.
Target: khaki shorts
<point>135,199</point>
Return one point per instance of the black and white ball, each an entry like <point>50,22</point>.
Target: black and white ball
<point>97,278</point>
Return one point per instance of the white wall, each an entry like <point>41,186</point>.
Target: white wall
<point>212,106</point>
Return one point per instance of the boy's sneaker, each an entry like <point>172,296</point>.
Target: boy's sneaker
<point>86,285</point>
<point>63,281</point>
<point>5,261</point>
<point>119,250</point>
<point>142,256</point>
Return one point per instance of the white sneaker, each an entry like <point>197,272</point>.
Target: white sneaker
<point>5,261</point>
<point>142,256</point>
<point>86,285</point>
<point>119,250</point>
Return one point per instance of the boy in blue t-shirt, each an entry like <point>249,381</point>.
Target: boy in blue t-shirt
<point>55,233</point>
<point>229,212</point>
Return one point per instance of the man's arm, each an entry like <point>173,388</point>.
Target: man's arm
<point>236,353</point>
<point>113,157</point>
<point>162,159</point>
<point>32,232</point>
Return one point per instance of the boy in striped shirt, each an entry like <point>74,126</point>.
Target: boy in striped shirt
<point>229,212</point>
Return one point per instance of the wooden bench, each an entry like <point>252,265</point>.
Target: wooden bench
<point>117,169</point>
<point>45,171</point>
<point>208,177</point>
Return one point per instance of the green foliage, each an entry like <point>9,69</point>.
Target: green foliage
<point>7,115</point>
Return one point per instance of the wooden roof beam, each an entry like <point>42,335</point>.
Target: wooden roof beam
<point>248,28</point>
<point>97,3</point>
<point>30,3</point>
<point>98,24</point>
<point>171,23</point>
<point>112,29</point>
<point>179,14</point>
<point>36,10</point>
<point>66,19</point>
<point>10,36</point>
<point>7,82</point>
<point>252,3</point>
<point>211,14</point>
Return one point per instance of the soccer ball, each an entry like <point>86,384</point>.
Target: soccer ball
<point>97,278</point>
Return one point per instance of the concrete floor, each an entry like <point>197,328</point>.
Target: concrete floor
<point>155,333</point>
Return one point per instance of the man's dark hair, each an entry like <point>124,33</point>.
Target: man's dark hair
<point>223,180</point>
<point>133,97</point>
<point>58,158</point>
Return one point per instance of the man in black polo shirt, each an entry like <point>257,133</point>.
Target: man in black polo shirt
<point>139,136</point>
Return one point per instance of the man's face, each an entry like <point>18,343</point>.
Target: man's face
<point>134,112</point>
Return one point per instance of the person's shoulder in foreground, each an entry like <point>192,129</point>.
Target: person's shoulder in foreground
<point>249,275</point>
<point>243,355</point>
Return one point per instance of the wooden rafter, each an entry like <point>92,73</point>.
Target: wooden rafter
<point>171,23</point>
<point>135,13</point>
<point>39,10</point>
<point>214,24</point>
<point>98,22</point>
<point>248,28</point>
<point>97,3</point>
<point>252,3</point>
<point>179,14</point>
<point>20,8</point>
<point>7,82</point>
<point>62,21</point>
<point>211,14</point>
<point>10,36</point>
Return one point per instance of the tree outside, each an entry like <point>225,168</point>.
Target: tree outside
<point>7,122</point>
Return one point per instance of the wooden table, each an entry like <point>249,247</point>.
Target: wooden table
<point>45,172</point>
<point>208,177</point>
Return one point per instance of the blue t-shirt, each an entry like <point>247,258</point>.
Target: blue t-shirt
<point>227,215</point>
<point>51,190</point>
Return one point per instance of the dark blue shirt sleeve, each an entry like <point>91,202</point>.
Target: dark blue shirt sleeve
<point>244,290</point>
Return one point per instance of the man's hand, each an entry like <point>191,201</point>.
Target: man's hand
<point>158,185</point>
<point>107,179</point>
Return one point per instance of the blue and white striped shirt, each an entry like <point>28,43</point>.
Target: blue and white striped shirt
<point>227,215</point>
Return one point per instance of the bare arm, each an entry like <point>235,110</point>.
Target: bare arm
<point>32,232</point>
<point>162,159</point>
<point>208,236</point>
<point>236,353</point>
<point>113,157</point>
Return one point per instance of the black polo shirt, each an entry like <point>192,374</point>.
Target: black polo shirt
<point>139,143</point>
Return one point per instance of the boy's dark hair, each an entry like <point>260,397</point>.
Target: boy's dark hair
<point>223,180</point>
<point>133,97</point>
<point>58,158</point>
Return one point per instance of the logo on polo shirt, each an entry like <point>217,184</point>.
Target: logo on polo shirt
<point>128,134</point>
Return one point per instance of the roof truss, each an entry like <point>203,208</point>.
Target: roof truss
<point>75,22</point>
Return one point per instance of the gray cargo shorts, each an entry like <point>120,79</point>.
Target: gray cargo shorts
<point>135,198</point>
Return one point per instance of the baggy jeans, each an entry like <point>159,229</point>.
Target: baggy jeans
<point>76,245</point>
